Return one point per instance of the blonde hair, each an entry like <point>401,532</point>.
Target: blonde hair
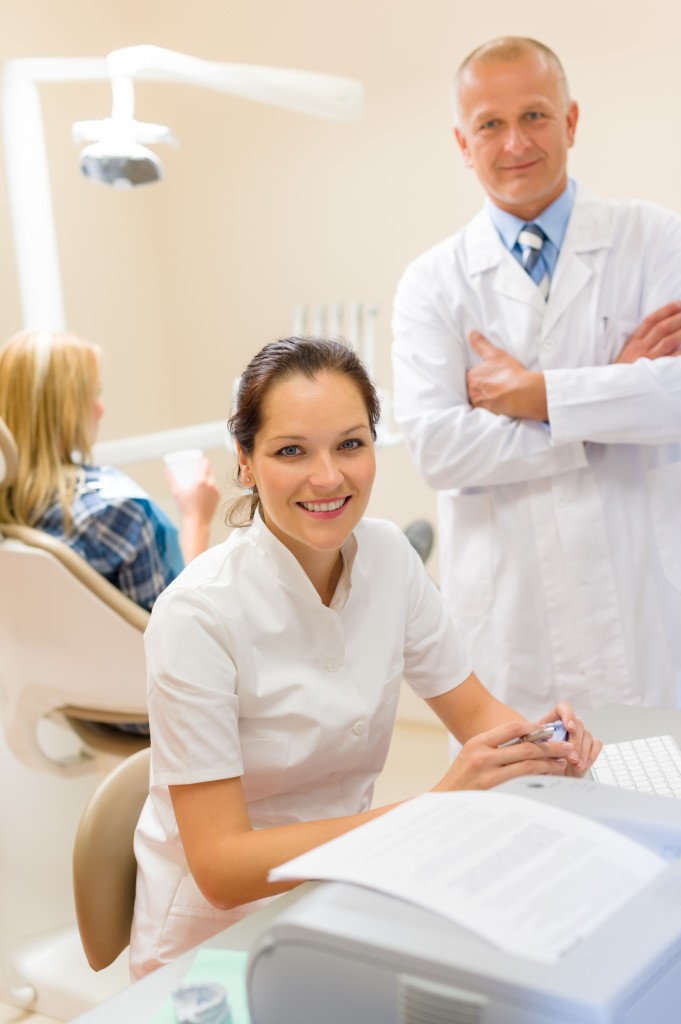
<point>48,385</point>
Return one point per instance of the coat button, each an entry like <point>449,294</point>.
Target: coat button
<point>358,728</point>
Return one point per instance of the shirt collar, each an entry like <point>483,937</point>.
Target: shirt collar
<point>348,554</point>
<point>289,569</point>
<point>553,220</point>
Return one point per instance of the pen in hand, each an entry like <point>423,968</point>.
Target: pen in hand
<point>549,731</point>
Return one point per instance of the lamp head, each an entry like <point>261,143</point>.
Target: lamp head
<point>116,155</point>
<point>139,166</point>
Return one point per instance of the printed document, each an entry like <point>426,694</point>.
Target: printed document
<point>530,878</point>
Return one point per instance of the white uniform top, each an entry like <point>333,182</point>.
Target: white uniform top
<point>251,675</point>
<point>560,546</point>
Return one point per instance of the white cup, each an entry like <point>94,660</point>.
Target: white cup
<point>184,465</point>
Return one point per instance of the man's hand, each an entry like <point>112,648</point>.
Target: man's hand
<point>658,335</point>
<point>503,385</point>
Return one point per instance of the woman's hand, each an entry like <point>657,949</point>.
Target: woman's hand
<point>585,748</point>
<point>197,503</point>
<point>200,498</point>
<point>484,761</point>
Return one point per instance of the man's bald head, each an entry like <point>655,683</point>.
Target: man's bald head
<point>508,50</point>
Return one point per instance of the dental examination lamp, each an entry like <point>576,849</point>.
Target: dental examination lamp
<point>118,155</point>
<point>118,152</point>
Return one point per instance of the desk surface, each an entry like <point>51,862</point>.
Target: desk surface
<point>138,1003</point>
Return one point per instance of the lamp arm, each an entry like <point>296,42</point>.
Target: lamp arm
<point>123,91</point>
<point>321,95</point>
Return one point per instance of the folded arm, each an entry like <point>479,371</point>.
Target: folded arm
<point>454,443</point>
<point>635,400</point>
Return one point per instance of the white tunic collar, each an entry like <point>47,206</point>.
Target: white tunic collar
<point>289,570</point>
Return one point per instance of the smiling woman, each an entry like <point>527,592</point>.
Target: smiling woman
<point>305,428</point>
<point>275,662</point>
<point>313,466</point>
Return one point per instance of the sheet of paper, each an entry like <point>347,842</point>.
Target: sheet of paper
<point>526,876</point>
<point>228,968</point>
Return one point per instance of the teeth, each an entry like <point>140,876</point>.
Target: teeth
<point>323,506</point>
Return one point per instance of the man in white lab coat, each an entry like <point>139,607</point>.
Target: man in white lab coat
<point>538,385</point>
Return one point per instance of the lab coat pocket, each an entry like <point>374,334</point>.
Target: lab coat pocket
<point>664,486</point>
<point>466,555</point>
<point>192,920</point>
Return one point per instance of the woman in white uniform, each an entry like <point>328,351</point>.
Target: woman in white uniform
<point>275,662</point>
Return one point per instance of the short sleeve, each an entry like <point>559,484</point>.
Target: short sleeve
<point>192,684</point>
<point>436,658</point>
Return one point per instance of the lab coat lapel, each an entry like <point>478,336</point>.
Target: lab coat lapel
<point>513,282</point>
<point>487,254</point>
<point>589,232</point>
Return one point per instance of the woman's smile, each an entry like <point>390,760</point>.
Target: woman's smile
<point>326,509</point>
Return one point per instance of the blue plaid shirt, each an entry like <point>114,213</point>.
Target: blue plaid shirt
<point>121,533</point>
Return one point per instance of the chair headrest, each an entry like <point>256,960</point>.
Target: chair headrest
<point>9,457</point>
<point>78,567</point>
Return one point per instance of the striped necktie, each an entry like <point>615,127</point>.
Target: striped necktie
<point>531,239</point>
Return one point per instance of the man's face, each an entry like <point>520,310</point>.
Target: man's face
<point>515,128</point>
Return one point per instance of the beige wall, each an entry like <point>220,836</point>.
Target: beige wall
<point>263,208</point>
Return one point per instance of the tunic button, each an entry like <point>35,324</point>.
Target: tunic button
<point>332,666</point>
<point>358,728</point>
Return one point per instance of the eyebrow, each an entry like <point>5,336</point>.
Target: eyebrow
<point>303,437</point>
<point>488,113</point>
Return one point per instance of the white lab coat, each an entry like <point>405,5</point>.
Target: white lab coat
<point>560,546</point>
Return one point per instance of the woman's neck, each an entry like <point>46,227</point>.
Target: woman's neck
<point>324,573</point>
<point>322,568</point>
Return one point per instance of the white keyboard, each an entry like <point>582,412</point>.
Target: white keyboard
<point>650,765</point>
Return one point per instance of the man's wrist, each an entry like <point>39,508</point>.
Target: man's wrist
<point>532,397</point>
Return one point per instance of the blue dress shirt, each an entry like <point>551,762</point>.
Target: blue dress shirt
<point>553,221</point>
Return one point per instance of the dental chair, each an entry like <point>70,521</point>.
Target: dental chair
<point>71,651</point>
<point>71,665</point>
<point>70,648</point>
<point>421,536</point>
<point>104,849</point>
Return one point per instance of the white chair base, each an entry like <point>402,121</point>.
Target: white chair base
<point>50,975</point>
<point>42,964</point>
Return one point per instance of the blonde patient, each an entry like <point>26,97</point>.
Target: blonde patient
<point>50,398</point>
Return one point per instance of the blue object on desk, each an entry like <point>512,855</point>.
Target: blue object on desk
<point>215,966</point>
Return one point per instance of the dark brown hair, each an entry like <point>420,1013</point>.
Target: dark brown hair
<point>278,361</point>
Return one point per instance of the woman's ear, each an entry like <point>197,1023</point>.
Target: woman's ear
<point>244,467</point>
